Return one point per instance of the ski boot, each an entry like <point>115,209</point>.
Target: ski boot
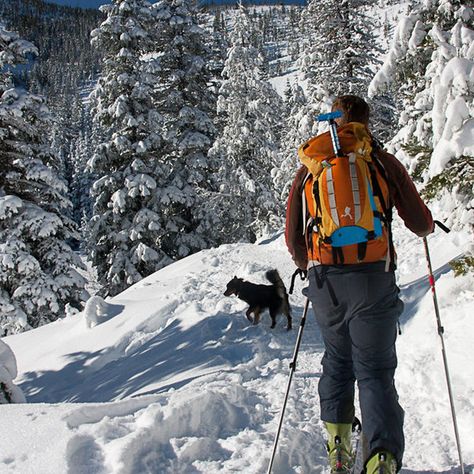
<point>339,447</point>
<point>381,462</point>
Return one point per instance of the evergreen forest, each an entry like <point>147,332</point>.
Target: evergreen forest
<point>141,133</point>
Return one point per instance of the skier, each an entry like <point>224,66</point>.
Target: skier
<point>353,292</point>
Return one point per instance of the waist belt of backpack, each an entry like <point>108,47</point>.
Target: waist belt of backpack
<point>338,252</point>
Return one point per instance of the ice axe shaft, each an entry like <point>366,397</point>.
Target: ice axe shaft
<point>443,347</point>
<point>331,118</point>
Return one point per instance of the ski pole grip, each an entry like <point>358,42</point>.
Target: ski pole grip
<point>302,274</point>
<point>442,226</point>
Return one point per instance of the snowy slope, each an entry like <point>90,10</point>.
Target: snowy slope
<point>173,379</point>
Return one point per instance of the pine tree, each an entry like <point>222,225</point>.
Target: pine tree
<point>154,98</point>
<point>402,76</point>
<point>340,49</point>
<point>451,80</point>
<point>218,46</point>
<point>298,128</point>
<point>126,215</point>
<point>245,205</point>
<point>82,178</point>
<point>414,67</point>
<point>435,137</point>
<point>186,104</point>
<point>38,270</point>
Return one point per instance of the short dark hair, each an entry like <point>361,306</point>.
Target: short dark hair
<point>353,108</point>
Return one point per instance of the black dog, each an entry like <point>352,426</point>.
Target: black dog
<point>259,297</point>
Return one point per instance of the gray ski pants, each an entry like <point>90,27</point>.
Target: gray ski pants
<point>357,309</point>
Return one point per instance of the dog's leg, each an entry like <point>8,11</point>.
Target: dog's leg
<point>273,315</point>
<point>256,316</point>
<point>248,314</point>
<point>289,319</point>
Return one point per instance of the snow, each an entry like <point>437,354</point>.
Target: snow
<point>97,311</point>
<point>453,121</point>
<point>169,376</point>
<point>9,205</point>
<point>8,372</point>
<point>408,34</point>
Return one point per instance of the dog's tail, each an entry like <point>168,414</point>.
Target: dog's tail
<point>274,277</point>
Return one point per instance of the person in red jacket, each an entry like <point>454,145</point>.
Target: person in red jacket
<point>357,308</point>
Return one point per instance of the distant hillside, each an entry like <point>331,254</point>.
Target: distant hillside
<point>80,3</point>
<point>13,10</point>
<point>97,3</point>
<point>62,35</point>
<point>254,2</point>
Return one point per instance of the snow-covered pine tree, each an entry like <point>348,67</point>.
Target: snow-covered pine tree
<point>402,77</point>
<point>82,178</point>
<point>435,139</point>
<point>215,25</point>
<point>38,269</point>
<point>338,57</point>
<point>186,104</point>
<point>123,234</point>
<point>340,48</point>
<point>297,129</point>
<point>244,203</point>
<point>154,98</point>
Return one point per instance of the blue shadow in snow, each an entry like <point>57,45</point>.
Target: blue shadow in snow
<point>452,470</point>
<point>112,311</point>
<point>270,239</point>
<point>219,341</point>
<point>412,293</point>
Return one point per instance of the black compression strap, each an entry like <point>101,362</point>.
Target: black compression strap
<point>361,251</point>
<point>337,255</point>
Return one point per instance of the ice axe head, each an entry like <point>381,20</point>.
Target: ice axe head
<point>330,116</point>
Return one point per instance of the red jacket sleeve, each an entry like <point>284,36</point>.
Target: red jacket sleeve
<point>410,207</point>
<point>294,235</point>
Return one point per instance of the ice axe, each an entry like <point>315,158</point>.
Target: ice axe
<point>441,332</point>
<point>331,118</point>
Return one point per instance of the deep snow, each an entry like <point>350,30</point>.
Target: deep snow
<point>169,377</point>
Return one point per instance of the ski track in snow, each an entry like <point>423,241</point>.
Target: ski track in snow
<point>191,387</point>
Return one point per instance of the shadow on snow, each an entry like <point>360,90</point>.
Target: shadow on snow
<point>413,292</point>
<point>216,343</point>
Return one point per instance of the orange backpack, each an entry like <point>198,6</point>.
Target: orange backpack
<point>347,219</point>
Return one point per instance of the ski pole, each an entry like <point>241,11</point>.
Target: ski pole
<point>440,332</point>
<point>292,371</point>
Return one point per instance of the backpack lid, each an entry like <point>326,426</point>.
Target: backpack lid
<point>353,137</point>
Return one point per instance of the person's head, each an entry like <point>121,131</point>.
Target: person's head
<point>353,108</point>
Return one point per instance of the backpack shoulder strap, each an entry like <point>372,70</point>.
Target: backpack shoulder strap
<point>386,205</point>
